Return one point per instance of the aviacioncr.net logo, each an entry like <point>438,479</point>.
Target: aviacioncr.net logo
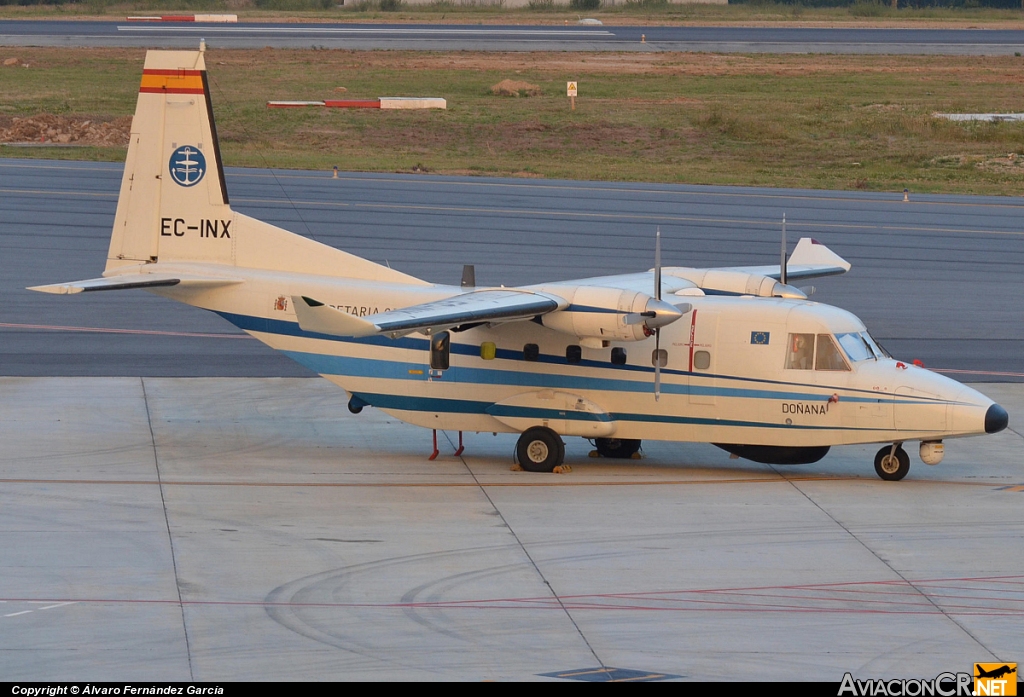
<point>995,679</point>
<point>943,685</point>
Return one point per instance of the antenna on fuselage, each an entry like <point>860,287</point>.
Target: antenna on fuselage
<point>782,263</point>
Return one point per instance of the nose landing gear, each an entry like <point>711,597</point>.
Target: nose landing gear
<point>892,462</point>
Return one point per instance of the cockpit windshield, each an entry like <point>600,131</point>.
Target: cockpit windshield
<point>859,346</point>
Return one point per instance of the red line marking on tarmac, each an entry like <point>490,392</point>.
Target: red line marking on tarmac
<point>976,372</point>
<point>590,602</point>
<point>104,330</point>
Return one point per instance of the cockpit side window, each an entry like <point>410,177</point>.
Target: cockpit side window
<point>828,357</point>
<point>800,352</point>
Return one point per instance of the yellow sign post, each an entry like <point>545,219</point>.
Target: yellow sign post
<point>570,91</point>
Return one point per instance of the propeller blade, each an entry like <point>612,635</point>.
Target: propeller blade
<point>782,263</point>
<point>668,314</point>
<point>657,264</point>
<point>657,365</point>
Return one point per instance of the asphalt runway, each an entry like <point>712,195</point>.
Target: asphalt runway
<point>514,38</point>
<point>940,279</point>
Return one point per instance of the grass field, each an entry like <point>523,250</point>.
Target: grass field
<point>837,122</point>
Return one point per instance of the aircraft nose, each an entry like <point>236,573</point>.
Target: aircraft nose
<point>996,419</point>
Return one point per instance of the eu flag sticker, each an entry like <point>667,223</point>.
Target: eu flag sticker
<point>760,338</point>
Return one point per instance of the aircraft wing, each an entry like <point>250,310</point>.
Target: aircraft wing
<point>810,259</point>
<point>642,282</point>
<point>129,281</point>
<point>497,305</point>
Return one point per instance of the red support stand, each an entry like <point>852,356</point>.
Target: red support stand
<point>434,454</point>
<point>461,446</point>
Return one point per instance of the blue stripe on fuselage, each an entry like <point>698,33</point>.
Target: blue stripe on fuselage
<point>365,367</point>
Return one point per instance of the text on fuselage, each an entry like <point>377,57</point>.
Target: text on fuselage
<point>177,227</point>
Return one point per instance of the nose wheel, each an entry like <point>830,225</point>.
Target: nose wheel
<point>540,450</point>
<point>892,463</point>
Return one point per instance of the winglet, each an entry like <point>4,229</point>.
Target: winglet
<point>315,316</point>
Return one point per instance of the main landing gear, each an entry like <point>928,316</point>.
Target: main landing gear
<point>540,450</point>
<point>892,462</point>
<point>617,448</point>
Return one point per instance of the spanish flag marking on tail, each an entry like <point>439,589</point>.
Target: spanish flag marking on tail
<point>172,81</point>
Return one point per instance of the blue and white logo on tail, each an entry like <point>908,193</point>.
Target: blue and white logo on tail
<point>188,165</point>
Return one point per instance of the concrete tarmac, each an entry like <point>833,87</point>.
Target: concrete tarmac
<point>253,529</point>
<point>462,37</point>
<point>938,279</point>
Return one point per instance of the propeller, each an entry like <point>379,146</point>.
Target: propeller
<point>657,329</point>
<point>782,262</point>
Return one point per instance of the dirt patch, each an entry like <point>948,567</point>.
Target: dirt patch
<point>515,88</point>
<point>48,128</point>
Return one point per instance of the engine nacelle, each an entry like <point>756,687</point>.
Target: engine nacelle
<point>736,283</point>
<point>610,314</point>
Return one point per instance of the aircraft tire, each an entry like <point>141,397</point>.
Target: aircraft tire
<point>890,466</point>
<point>540,450</point>
<point>619,448</point>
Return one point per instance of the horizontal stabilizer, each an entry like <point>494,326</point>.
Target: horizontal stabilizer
<point>475,307</point>
<point>810,259</point>
<point>315,316</point>
<point>128,282</point>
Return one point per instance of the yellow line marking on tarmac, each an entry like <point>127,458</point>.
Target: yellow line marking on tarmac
<point>649,676</point>
<point>595,671</point>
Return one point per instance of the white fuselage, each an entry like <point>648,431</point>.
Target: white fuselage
<point>740,391</point>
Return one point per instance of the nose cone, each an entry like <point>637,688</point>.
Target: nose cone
<point>663,313</point>
<point>996,419</point>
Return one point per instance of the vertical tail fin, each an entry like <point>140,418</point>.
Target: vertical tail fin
<point>173,168</point>
<point>173,205</point>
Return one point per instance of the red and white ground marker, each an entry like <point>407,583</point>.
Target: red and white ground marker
<point>220,19</point>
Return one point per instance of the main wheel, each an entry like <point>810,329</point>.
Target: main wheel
<point>892,466</point>
<point>540,450</point>
<point>622,448</point>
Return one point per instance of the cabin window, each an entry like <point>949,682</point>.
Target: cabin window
<point>531,352</point>
<point>618,356</point>
<point>702,360</point>
<point>488,350</point>
<point>659,357</point>
<point>827,356</point>
<point>573,354</point>
<point>800,352</point>
<point>440,350</point>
